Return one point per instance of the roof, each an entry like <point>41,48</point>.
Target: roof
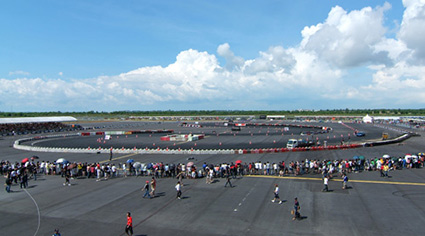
<point>37,119</point>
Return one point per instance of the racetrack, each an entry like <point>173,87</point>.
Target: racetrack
<point>220,137</point>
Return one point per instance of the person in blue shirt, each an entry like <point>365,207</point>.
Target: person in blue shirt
<point>56,233</point>
<point>297,214</point>
<point>344,181</point>
<point>146,188</point>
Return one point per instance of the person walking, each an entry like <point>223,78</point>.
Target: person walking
<point>67,175</point>
<point>146,188</point>
<point>325,183</point>
<point>228,182</point>
<point>129,226</point>
<point>8,183</point>
<point>153,186</point>
<point>296,210</point>
<point>344,181</point>
<point>276,194</point>
<point>24,180</point>
<point>180,176</point>
<point>179,190</point>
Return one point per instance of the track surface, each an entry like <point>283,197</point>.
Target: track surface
<point>373,206</point>
<point>217,137</point>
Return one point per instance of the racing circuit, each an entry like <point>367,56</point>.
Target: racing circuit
<point>251,138</point>
<point>371,206</point>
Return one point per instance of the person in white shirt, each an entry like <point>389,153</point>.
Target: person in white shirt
<point>325,183</point>
<point>98,173</point>
<point>114,170</point>
<point>179,190</point>
<point>276,194</point>
<point>124,169</point>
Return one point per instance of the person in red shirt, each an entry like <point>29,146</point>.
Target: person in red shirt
<point>129,226</point>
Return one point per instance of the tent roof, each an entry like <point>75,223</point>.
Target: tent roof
<point>37,119</point>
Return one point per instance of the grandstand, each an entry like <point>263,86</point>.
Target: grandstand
<point>36,125</point>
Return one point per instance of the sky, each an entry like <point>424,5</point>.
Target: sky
<point>144,55</point>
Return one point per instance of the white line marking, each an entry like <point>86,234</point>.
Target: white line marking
<point>38,211</point>
<point>243,200</point>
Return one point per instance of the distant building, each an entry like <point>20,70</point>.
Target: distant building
<point>276,117</point>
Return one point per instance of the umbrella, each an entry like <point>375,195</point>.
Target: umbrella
<point>34,157</point>
<point>361,157</point>
<point>61,161</point>
<point>355,157</point>
<point>238,162</point>
<point>73,165</point>
<point>189,164</point>
<point>149,166</point>
<point>130,161</point>
<point>386,156</point>
<point>421,154</point>
<point>211,166</point>
<point>137,165</point>
<point>25,160</point>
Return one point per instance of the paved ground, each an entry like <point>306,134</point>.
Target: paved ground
<point>216,136</point>
<point>373,206</point>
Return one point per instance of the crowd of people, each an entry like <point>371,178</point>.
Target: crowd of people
<point>35,128</point>
<point>22,172</point>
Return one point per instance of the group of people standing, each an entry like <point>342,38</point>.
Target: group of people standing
<point>17,173</point>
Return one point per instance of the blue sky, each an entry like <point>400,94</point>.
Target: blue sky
<point>238,55</point>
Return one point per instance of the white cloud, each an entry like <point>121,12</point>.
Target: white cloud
<point>347,39</point>
<point>412,29</point>
<point>313,73</point>
<point>232,61</point>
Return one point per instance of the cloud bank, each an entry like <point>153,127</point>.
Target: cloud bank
<point>316,73</point>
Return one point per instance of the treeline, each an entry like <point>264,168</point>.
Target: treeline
<point>121,114</point>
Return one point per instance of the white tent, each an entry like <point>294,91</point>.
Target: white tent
<point>367,119</point>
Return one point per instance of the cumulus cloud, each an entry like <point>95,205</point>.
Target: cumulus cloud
<point>316,71</point>
<point>232,62</point>
<point>412,29</point>
<point>347,39</point>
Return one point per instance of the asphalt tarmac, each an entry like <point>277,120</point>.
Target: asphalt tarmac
<point>371,206</point>
<point>216,136</point>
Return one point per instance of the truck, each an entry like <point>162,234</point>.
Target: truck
<point>385,136</point>
<point>294,143</point>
